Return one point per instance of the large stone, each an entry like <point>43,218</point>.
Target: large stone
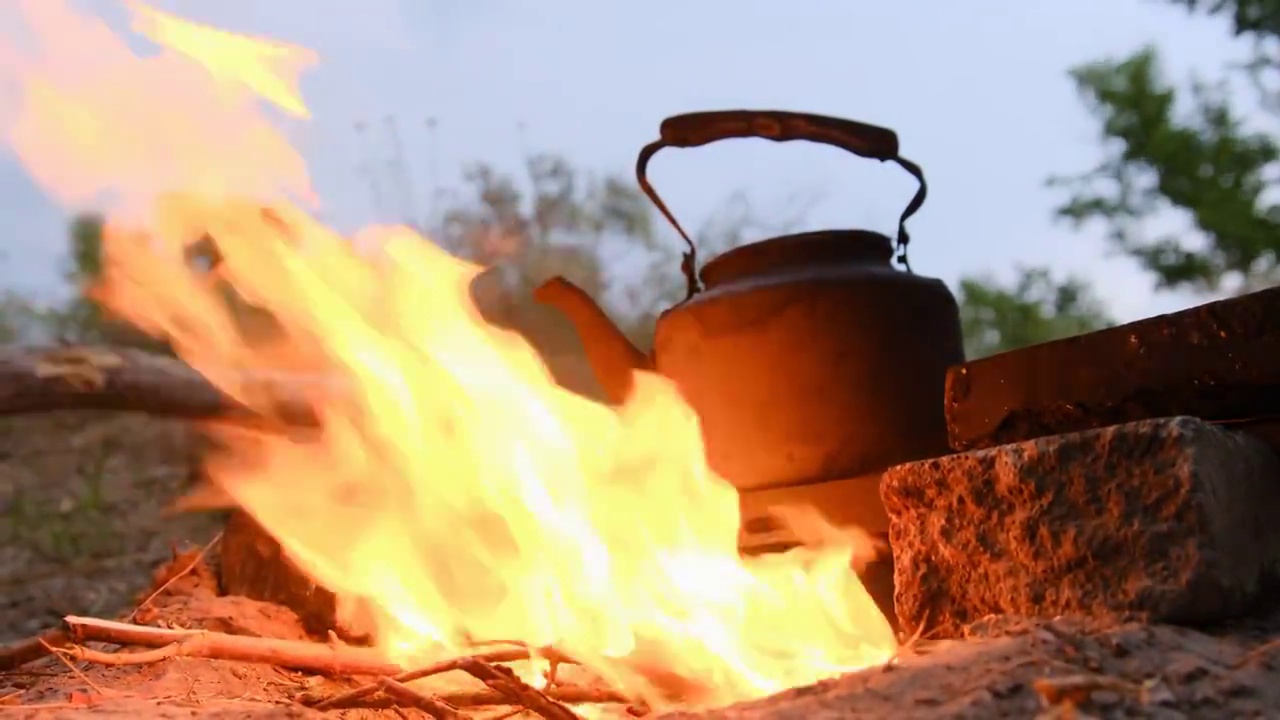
<point>1170,520</point>
<point>1215,361</point>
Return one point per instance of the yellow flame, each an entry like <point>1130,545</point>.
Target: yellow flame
<point>453,492</point>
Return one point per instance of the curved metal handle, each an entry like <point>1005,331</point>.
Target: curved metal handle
<point>701,128</point>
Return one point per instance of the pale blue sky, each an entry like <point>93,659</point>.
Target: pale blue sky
<point>977,91</point>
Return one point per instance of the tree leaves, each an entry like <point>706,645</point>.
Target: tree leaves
<point>1035,308</point>
<point>1189,151</point>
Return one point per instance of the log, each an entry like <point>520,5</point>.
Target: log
<point>1167,520</point>
<point>57,378</point>
<point>1217,361</point>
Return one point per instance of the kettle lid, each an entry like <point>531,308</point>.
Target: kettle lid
<point>799,250</point>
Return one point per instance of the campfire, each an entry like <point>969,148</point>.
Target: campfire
<point>424,521</point>
<point>449,493</point>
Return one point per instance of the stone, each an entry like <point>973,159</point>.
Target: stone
<point>1214,361</point>
<point>1162,520</point>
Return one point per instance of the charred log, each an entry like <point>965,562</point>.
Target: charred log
<point>1216,361</point>
<point>50,379</point>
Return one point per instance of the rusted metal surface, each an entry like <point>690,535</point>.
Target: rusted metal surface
<point>807,357</point>
<point>1219,361</point>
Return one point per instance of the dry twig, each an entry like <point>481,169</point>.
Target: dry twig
<point>433,706</point>
<point>292,654</point>
<point>1258,652</point>
<point>1076,689</point>
<point>183,572</point>
<point>512,654</point>
<point>20,653</point>
<point>334,659</point>
<point>505,681</point>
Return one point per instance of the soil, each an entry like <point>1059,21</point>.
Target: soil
<point>83,521</point>
<point>86,533</point>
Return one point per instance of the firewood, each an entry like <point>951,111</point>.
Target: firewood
<point>49,379</point>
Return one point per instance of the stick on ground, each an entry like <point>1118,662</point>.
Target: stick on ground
<point>511,654</point>
<point>505,681</point>
<point>433,706</point>
<point>293,654</point>
<point>20,653</point>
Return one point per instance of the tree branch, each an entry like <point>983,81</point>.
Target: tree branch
<point>48,379</point>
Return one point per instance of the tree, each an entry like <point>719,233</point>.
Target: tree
<point>82,319</point>
<point>1191,150</point>
<point>1034,308</point>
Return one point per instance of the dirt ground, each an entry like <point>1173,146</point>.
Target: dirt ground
<point>82,513</point>
<point>84,531</point>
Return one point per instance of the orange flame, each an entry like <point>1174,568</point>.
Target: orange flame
<point>453,492</point>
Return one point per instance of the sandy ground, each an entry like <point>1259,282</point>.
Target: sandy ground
<point>82,513</point>
<point>84,531</point>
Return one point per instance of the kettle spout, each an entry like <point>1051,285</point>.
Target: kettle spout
<point>611,355</point>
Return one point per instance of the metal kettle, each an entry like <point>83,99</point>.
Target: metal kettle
<point>807,357</point>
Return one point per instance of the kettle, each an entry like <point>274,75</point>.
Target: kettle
<point>807,357</point>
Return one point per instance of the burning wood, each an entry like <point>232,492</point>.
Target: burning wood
<point>447,487</point>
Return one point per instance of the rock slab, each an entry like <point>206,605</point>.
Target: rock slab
<point>1164,520</point>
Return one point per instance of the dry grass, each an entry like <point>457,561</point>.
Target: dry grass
<point>82,512</point>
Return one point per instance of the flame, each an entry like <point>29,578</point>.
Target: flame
<point>453,493</point>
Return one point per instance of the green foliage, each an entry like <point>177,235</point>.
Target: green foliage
<point>83,318</point>
<point>554,221</point>
<point>1189,150</point>
<point>1035,308</point>
<point>557,225</point>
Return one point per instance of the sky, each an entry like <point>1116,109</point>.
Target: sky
<point>977,91</point>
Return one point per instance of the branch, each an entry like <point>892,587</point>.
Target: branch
<point>430,704</point>
<point>48,379</point>
<point>521,693</point>
<point>495,656</point>
<point>333,659</point>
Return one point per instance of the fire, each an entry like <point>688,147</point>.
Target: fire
<point>454,493</point>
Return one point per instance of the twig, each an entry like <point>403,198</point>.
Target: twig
<point>175,577</point>
<point>574,694</point>
<point>521,652</point>
<point>554,659</point>
<point>75,670</point>
<point>1257,652</point>
<point>292,654</point>
<point>433,706</point>
<point>505,681</point>
<point>20,653</point>
<point>1076,689</point>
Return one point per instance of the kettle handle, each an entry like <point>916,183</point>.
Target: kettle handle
<point>701,128</point>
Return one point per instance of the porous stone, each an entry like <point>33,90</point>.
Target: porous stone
<point>1170,519</point>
